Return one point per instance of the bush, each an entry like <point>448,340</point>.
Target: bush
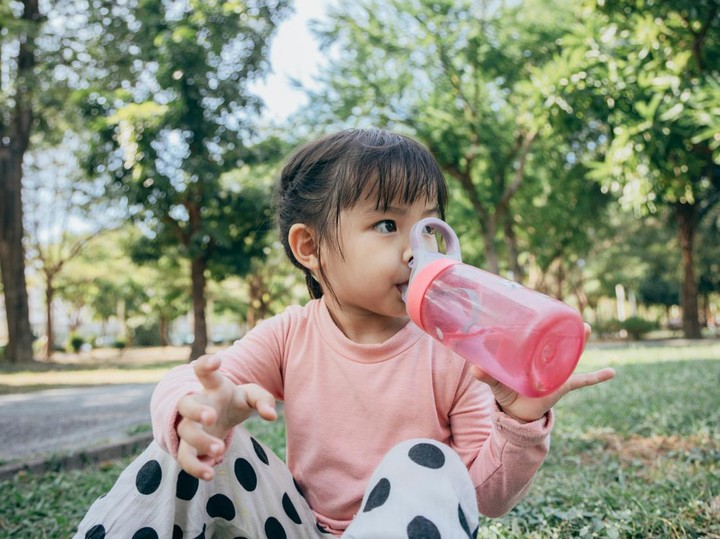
<point>146,335</point>
<point>637,327</point>
<point>76,342</point>
<point>606,328</point>
<point>119,344</point>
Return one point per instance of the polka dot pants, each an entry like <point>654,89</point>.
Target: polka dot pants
<point>420,490</point>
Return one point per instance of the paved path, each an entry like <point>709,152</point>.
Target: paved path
<point>60,421</point>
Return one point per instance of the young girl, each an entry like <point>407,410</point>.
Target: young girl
<point>389,434</point>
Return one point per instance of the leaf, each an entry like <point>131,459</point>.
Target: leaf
<point>673,113</point>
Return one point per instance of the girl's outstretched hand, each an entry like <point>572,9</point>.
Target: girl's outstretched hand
<point>527,409</point>
<point>209,415</point>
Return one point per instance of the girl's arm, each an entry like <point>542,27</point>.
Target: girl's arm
<point>502,454</point>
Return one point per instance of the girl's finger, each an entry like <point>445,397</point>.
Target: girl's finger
<point>187,458</point>
<point>261,400</point>
<point>482,376</point>
<point>206,368</point>
<point>191,408</point>
<point>580,380</point>
<point>201,441</point>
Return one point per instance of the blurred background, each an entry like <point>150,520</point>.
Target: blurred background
<point>140,140</point>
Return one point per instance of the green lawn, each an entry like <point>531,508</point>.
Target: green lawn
<point>636,457</point>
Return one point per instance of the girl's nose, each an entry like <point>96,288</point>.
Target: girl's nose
<point>407,255</point>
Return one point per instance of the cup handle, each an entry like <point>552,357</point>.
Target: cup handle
<point>451,240</point>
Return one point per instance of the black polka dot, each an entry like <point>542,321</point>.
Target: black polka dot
<point>464,522</point>
<point>422,528</point>
<point>245,474</point>
<point>145,533</point>
<point>297,486</point>
<point>177,532</point>
<point>259,451</point>
<point>427,455</point>
<point>96,532</point>
<point>202,533</point>
<point>148,478</point>
<point>274,530</point>
<point>220,505</point>
<point>290,510</point>
<point>187,486</point>
<point>320,528</point>
<point>378,495</point>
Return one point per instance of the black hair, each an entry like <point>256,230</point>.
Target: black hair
<point>332,174</point>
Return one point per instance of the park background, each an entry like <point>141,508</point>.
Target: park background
<point>580,141</point>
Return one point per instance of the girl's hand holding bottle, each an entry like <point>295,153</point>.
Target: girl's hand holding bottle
<point>209,415</point>
<point>528,409</point>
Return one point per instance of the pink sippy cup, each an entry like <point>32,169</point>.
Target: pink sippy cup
<point>522,338</point>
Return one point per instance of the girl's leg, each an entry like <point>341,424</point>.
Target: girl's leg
<point>253,495</point>
<point>421,489</point>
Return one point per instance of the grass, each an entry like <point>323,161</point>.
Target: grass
<point>638,457</point>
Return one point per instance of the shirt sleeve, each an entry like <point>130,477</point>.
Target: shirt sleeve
<point>503,455</point>
<point>256,358</point>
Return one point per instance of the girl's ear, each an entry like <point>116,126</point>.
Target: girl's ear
<point>301,239</point>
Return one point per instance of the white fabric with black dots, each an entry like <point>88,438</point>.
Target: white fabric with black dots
<point>421,490</point>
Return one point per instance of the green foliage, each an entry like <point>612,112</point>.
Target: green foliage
<point>172,118</point>
<point>607,328</point>
<point>75,342</point>
<point>637,327</point>
<point>460,77</point>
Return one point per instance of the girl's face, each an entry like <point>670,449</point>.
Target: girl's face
<point>368,276</point>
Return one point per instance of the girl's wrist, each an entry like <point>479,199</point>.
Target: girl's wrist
<point>523,420</point>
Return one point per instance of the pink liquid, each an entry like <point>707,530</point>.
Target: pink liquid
<point>524,339</point>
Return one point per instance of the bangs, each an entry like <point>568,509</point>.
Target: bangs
<point>398,170</point>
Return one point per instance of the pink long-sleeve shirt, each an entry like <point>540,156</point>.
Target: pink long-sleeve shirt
<point>347,404</point>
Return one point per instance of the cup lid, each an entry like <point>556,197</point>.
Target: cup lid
<point>419,284</point>
<point>428,264</point>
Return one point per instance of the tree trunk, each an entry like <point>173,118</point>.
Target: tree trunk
<point>12,256</point>
<point>685,214</point>
<point>49,330</point>
<point>198,266</point>
<point>164,331</point>
<point>14,140</point>
<point>492,261</point>
<point>559,294</point>
<point>512,247</point>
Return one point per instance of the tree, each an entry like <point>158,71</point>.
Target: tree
<point>460,77</point>
<point>16,121</point>
<point>59,216</point>
<point>647,76</point>
<point>178,117</point>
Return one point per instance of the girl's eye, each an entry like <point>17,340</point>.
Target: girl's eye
<point>386,226</point>
<point>428,230</point>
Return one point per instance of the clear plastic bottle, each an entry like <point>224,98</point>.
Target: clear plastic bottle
<point>522,338</point>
